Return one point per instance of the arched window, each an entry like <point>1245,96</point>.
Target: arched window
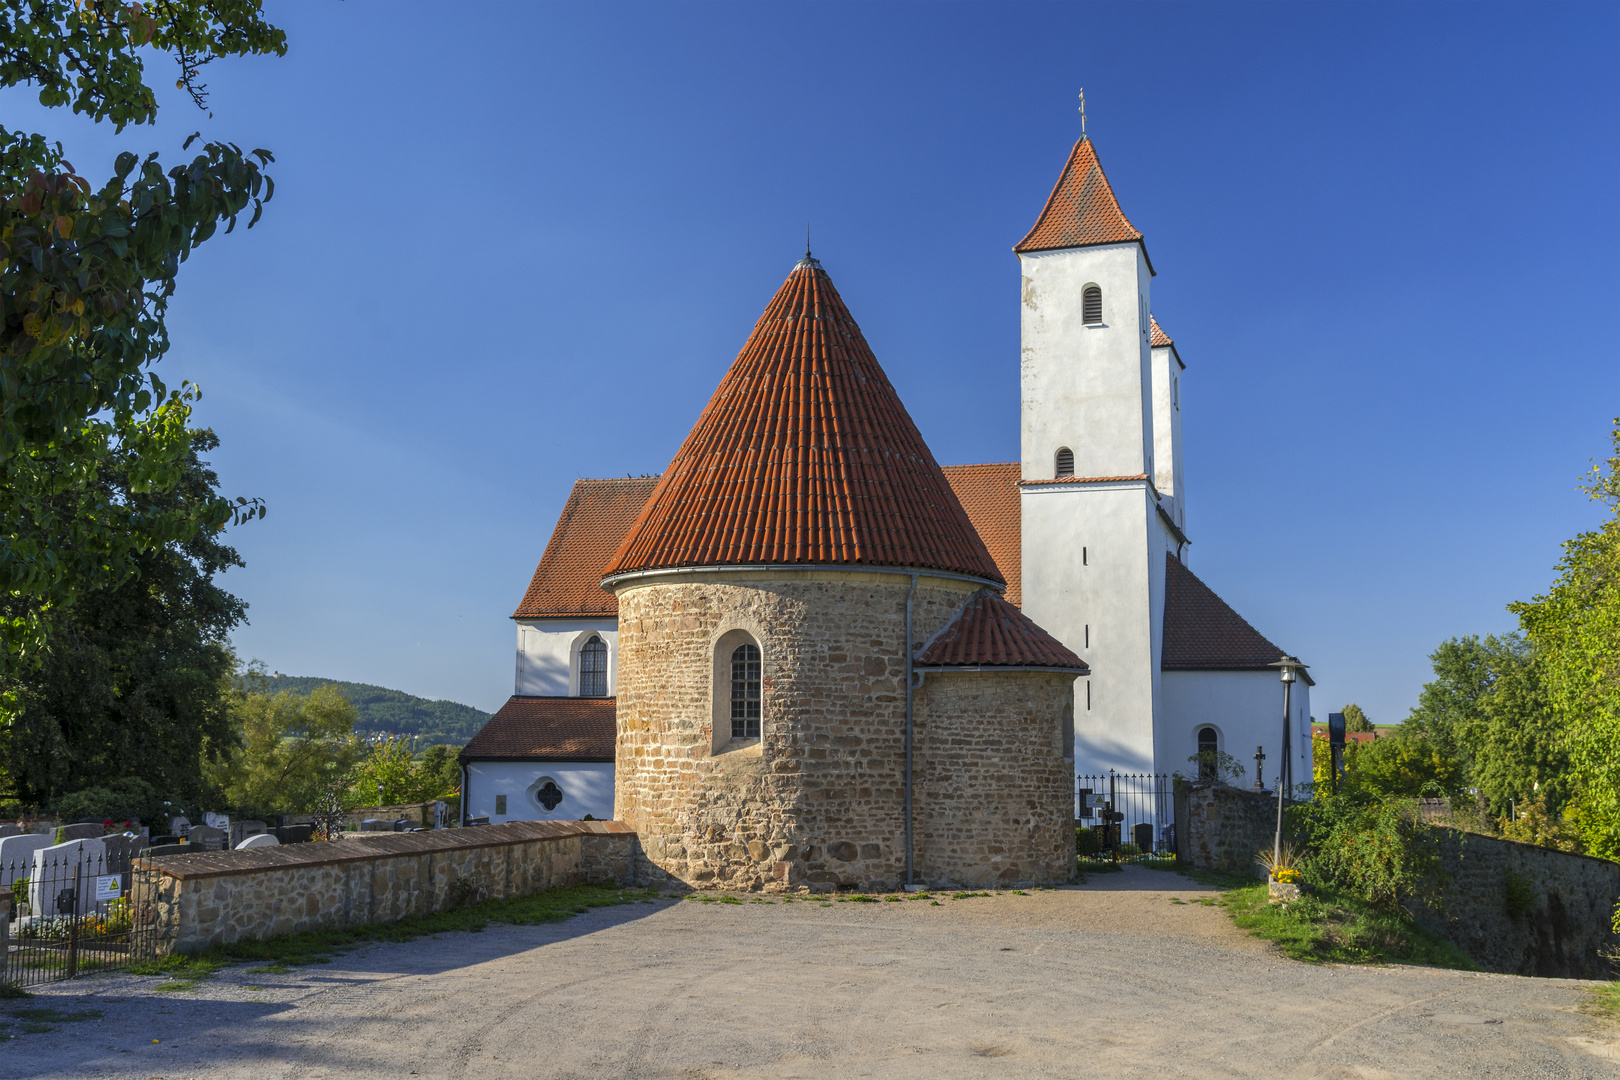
<point>745,691</point>
<point>1091,304</point>
<point>1208,746</point>
<point>593,668</point>
<point>1065,462</point>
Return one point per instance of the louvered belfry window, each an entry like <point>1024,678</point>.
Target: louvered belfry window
<point>1065,462</point>
<point>1091,304</point>
<point>745,691</point>
<point>593,661</point>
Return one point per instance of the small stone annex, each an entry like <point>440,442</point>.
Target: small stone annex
<point>802,548</point>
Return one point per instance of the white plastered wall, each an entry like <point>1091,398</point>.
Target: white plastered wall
<point>1167,474</point>
<point>587,788</point>
<point>1245,708</point>
<point>548,654</point>
<point>1089,581</point>
<point>1086,387</point>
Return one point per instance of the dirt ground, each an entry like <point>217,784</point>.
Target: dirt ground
<point>1109,979</point>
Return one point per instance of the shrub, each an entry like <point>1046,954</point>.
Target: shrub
<point>1129,851</point>
<point>128,799</point>
<point>1086,841</point>
<point>1374,847</point>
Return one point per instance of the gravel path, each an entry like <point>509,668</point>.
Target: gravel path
<point>1109,979</point>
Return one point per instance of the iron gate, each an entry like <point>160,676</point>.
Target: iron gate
<point>1127,808</point>
<point>75,913</point>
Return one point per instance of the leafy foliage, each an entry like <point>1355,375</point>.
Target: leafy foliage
<point>1373,846</point>
<point>395,712</point>
<point>389,775</point>
<point>131,692</point>
<point>1356,720</point>
<point>288,752</point>
<point>1337,926</point>
<point>86,274</point>
<point>1575,627</point>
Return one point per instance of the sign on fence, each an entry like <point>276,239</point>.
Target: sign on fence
<point>108,887</point>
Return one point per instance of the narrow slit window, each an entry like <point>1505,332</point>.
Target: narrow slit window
<point>1065,462</point>
<point>593,657</point>
<point>1088,635</point>
<point>1091,304</point>
<point>1088,695</point>
<point>1083,561</point>
<point>745,691</point>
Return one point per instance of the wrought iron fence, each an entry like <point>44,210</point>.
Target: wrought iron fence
<point>1127,808</point>
<point>75,912</point>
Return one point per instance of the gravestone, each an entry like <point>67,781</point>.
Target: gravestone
<point>1142,836</point>
<point>166,849</point>
<point>80,830</point>
<point>205,838</point>
<point>241,830</point>
<point>376,825</point>
<point>222,822</point>
<point>295,834</point>
<point>58,869</point>
<point>179,826</point>
<point>258,840</point>
<point>17,857</point>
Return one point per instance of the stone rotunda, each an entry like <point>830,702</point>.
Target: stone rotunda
<point>819,683</point>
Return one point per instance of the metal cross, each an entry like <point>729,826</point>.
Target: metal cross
<point>1259,767</point>
<point>1082,112</point>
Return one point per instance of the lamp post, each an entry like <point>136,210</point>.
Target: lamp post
<point>1288,669</point>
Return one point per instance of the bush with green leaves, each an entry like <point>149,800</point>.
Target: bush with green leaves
<point>126,799</point>
<point>1375,847</point>
<point>1086,841</point>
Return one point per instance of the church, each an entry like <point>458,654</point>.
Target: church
<point>806,653</point>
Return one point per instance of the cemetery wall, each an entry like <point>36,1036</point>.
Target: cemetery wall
<point>1222,828</point>
<point>1524,910</point>
<point>218,897</point>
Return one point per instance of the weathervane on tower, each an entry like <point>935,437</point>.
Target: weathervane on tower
<point>1082,112</point>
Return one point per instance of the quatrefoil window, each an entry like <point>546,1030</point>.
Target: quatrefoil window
<point>549,795</point>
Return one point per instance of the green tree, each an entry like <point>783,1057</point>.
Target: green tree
<point>132,684</point>
<point>1355,719</point>
<point>86,273</point>
<point>441,762</point>
<point>1575,627</point>
<point>390,769</point>
<point>1402,766</point>
<point>288,751</point>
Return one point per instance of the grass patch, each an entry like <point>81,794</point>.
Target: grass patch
<point>1331,926</point>
<point>56,1016</point>
<point>967,895</point>
<point>12,990</point>
<point>857,898</point>
<point>1605,1001</point>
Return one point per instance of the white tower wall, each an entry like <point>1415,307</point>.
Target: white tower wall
<point>1167,474</point>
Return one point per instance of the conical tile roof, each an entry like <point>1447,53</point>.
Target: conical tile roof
<point>1082,210</point>
<point>804,456</point>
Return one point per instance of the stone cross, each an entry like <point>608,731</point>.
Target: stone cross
<point>1259,767</point>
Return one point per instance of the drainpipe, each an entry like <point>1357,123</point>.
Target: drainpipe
<point>465,776</point>
<point>910,593</point>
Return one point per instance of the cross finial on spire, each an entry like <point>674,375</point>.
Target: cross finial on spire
<point>1082,113</point>
<point>807,239</point>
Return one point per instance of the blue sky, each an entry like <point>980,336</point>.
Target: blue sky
<point>513,244</point>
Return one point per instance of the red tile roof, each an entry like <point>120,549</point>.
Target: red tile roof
<point>1160,338</point>
<point>1082,210</point>
<point>1201,633</point>
<point>596,517</point>
<point>989,494</point>
<point>546,729</point>
<point>989,632</point>
<point>804,455</point>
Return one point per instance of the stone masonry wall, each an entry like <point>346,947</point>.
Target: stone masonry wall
<point>993,791</point>
<point>1525,910</point>
<point>818,801</point>
<point>213,898</point>
<point>1222,828</point>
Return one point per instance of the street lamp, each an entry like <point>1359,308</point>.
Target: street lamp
<point>1288,668</point>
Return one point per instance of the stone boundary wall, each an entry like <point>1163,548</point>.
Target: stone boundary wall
<point>1219,827</point>
<point>218,897</point>
<point>1525,910</point>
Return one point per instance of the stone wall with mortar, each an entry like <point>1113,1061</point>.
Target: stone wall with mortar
<point>993,792</point>
<point>818,800</point>
<point>213,898</point>
<point>1219,827</point>
<point>1525,910</point>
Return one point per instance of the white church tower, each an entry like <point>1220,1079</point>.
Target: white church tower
<point>1094,531</point>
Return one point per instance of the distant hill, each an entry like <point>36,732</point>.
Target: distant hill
<point>393,711</point>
